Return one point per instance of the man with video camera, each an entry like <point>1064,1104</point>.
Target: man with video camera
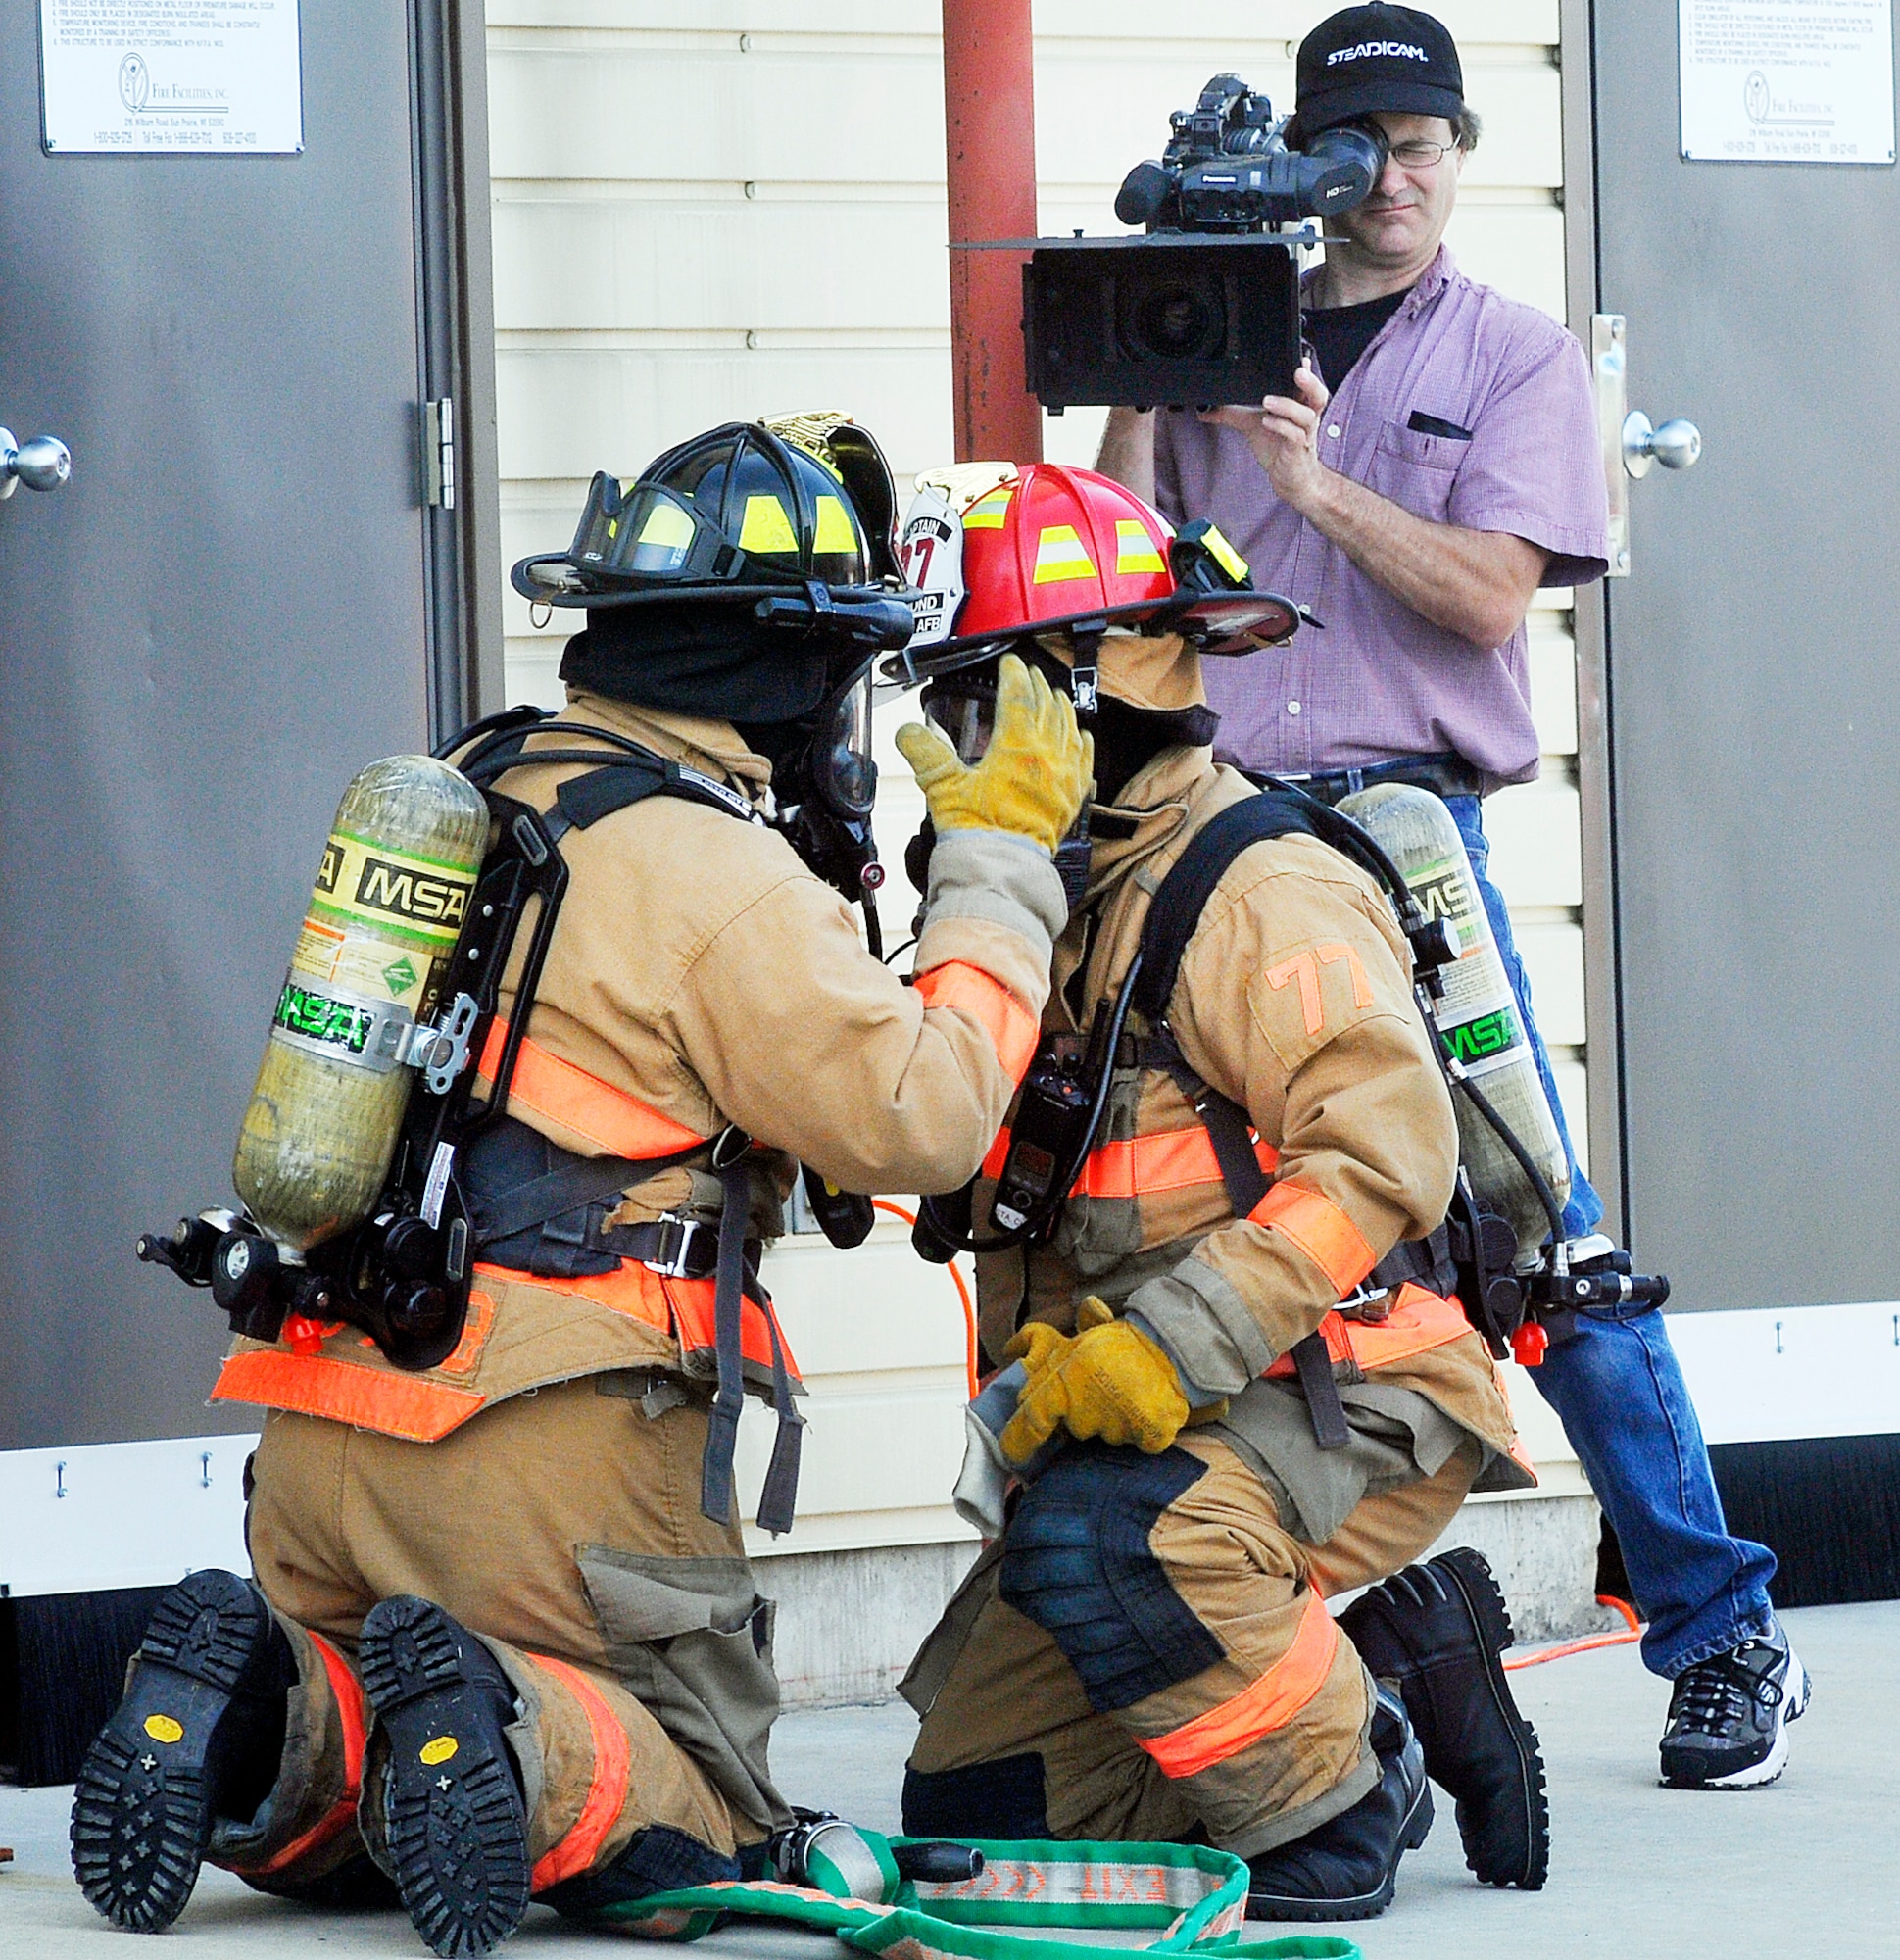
<point>1437,463</point>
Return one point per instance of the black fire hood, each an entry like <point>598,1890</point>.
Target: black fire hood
<point>712,660</point>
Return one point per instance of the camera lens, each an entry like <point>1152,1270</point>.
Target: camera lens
<point>1177,322</point>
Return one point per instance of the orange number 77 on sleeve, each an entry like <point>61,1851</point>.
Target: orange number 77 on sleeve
<point>1305,969</point>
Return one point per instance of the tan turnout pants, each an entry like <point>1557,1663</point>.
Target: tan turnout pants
<point>1259,1747</point>
<point>563,1528</point>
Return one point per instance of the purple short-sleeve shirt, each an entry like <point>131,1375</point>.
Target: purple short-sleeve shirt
<point>1380,681</point>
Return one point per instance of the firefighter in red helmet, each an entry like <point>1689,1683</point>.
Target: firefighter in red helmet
<point>1243,1383</point>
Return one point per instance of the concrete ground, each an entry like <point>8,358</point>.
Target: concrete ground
<point>1811,1865</point>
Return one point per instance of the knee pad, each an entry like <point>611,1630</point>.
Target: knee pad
<point>1077,1563</point>
<point>1005,1798</point>
<point>658,1859</point>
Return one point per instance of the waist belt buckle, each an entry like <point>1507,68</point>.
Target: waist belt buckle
<point>677,1238</point>
<point>1367,1303</point>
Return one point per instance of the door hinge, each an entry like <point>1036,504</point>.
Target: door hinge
<point>439,453</point>
<point>1609,365</point>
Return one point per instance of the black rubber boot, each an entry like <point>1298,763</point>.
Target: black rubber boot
<point>1435,1632</point>
<point>199,1736</point>
<point>452,1815</point>
<point>1347,1868</point>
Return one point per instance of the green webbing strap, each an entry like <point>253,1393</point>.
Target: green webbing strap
<point>1194,1897</point>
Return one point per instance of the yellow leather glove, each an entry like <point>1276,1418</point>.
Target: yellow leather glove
<point>1110,1381</point>
<point>1032,777</point>
<point>1038,1346</point>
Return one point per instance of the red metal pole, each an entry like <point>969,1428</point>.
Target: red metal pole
<point>990,141</point>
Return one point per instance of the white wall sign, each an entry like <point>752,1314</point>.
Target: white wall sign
<point>1787,82</point>
<point>218,78</point>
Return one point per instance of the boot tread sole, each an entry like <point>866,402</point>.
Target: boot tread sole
<point>460,1854</point>
<point>138,1834</point>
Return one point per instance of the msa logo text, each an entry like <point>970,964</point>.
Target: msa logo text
<point>301,1010</point>
<point>405,894</point>
<point>1448,897</point>
<point>1490,1034</point>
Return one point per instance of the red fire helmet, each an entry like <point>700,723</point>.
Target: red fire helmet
<point>1050,547</point>
<point>1059,544</point>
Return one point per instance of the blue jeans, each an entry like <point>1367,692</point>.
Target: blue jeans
<point>1619,1390</point>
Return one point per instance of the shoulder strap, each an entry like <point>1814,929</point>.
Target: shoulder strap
<point>625,773</point>
<point>1177,907</point>
<point>622,782</point>
<point>1171,921</point>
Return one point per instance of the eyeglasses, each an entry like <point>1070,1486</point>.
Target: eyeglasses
<point>1415,154</point>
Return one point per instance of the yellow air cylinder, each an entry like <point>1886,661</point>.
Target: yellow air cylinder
<point>390,900</point>
<point>1477,1013</point>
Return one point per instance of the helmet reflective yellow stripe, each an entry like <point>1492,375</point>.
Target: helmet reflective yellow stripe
<point>1134,549</point>
<point>987,515</point>
<point>766,528</point>
<point>836,532</point>
<point>1225,555</point>
<point>1059,556</point>
<point>666,524</point>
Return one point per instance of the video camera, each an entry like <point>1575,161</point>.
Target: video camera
<point>1205,308</point>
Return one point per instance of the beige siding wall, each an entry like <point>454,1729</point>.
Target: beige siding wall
<point>729,208</point>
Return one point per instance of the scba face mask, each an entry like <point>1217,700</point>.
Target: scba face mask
<point>846,771</point>
<point>825,785</point>
<point>964,713</point>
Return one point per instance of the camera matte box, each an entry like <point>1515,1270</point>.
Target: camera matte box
<point>1177,319</point>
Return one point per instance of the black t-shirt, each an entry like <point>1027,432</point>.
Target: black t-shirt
<point>1340,334</point>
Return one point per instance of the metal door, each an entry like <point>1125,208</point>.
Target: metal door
<point>239,599</point>
<point>1753,703</point>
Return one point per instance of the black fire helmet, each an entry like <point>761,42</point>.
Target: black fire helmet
<point>743,575</point>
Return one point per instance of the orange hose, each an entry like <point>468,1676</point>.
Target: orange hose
<point>962,1293</point>
<point>1564,1649</point>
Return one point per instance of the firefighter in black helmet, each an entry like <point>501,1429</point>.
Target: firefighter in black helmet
<point>504,1641</point>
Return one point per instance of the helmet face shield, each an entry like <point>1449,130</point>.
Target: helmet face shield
<point>649,533</point>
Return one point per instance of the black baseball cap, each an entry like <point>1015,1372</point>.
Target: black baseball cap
<point>1365,59</point>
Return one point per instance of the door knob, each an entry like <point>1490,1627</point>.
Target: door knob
<point>43,462</point>
<point>1676,445</point>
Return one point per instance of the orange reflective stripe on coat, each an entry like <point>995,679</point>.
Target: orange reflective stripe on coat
<point>683,1309</point>
<point>1270,1703</point>
<point>1010,1026</point>
<point>348,1694</point>
<point>607,1793</point>
<point>1321,1230</point>
<point>622,1124</point>
<point>998,1155</point>
<point>1419,1320</point>
<point>409,1407</point>
<point>1162,1160</point>
<point>421,1410</point>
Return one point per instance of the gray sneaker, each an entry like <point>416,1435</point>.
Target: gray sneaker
<point>1728,1717</point>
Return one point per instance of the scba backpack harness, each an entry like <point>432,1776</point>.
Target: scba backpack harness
<point>468,1181</point>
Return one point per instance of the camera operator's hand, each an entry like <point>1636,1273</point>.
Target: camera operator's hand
<point>1284,433</point>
